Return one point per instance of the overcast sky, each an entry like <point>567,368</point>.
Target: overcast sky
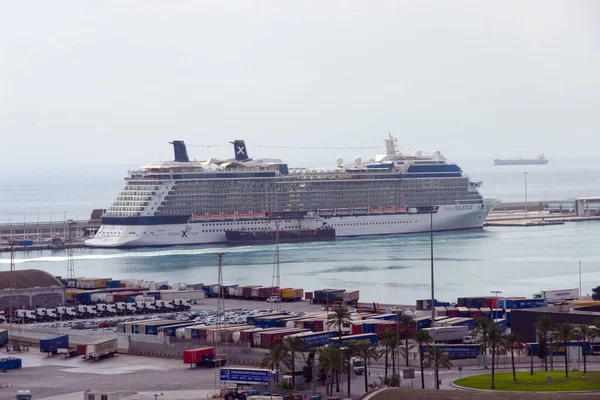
<point>108,82</point>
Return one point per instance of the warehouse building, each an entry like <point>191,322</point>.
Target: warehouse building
<point>32,288</point>
<point>523,321</point>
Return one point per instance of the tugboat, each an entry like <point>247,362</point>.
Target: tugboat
<point>269,236</point>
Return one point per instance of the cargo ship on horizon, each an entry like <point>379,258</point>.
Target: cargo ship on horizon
<point>540,159</point>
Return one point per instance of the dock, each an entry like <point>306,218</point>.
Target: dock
<point>48,235</point>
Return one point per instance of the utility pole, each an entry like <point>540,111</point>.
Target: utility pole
<point>13,288</point>
<point>221,309</point>
<point>435,363</point>
<point>276,281</point>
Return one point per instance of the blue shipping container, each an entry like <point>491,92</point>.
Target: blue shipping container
<point>317,339</point>
<point>458,351</point>
<point>52,344</point>
<point>423,322</point>
<point>559,348</point>
<point>386,317</point>
<point>502,323</point>
<point>370,338</point>
<point>113,284</point>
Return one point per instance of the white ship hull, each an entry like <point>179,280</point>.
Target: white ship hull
<point>449,217</point>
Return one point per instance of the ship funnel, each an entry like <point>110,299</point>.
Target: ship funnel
<point>180,151</point>
<point>239,149</point>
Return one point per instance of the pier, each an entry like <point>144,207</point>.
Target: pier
<point>47,235</point>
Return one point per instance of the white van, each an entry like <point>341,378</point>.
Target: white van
<point>469,340</point>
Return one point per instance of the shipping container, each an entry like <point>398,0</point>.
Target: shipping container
<point>365,338</point>
<point>559,348</point>
<point>292,294</point>
<point>328,296</point>
<point>3,337</point>
<point>463,312</point>
<point>257,336</point>
<point>522,303</point>
<point>252,318</point>
<point>113,284</point>
<point>441,311</point>
<point>171,330</point>
<point>448,334</point>
<point>192,295</point>
<point>383,326</point>
<point>314,339</point>
<point>308,296</point>
<point>486,312</point>
<point>201,354</point>
<point>269,321</point>
<point>101,349</point>
<point>452,312</point>
<point>423,322</point>
<point>270,339</point>
<point>386,317</point>
<point>498,313</point>
<point>51,345</point>
<point>458,351</point>
<point>502,323</point>
<point>556,295</point>
<point>247,291</point>
<point>351,296</point>
<point>474,312</point>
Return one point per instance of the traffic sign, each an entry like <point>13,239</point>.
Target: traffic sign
<point>549,379</point>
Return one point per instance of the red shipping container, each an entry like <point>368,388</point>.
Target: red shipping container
<point>475,312</point>
<point>318,326</point>
<point>247,291</point>
<point>308,295</point>
<point>197,355</point>
<point>81,348</point>
<point>487,302</point>
<point>266,292</point>
<point>356,329</point>
<point>380,327</point>
<point>493,303</point>
<point>452,312</point>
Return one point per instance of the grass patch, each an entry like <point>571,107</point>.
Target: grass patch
<point>536,382</point>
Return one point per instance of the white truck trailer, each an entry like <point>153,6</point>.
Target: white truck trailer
<point>100,349</point>
<point>448,334</point>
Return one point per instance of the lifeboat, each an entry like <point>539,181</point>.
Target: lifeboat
<point>325,211</point>
<point>214,216</point>
<point>229,215</point>
<point>343,211</point>
<point>360,210</point>
<point>244,215</point>
<point>200,217</point>
<point>258,214</point>
<point>375,210</point>
<point>389,210</point>
<point>401,209</point>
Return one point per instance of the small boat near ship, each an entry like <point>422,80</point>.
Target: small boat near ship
<point>269,236</point>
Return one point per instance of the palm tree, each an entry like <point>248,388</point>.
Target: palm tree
<point>544,325</point>
<point>366,352</point>
<point>441,358</point>
<point>421,338</point>
<point>512,341</point>
<point>339,317</point>
<point>277,355</point>
<point>329,360</point>
<point>565,332</point>
<point>389,342</point>
<point>406,324</point>
<point>481,329</point>
<point>293,346</point>
<point>584,333</point>
<point>494,341</point>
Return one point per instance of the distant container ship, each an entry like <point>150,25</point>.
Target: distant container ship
<point>539,160</point>
<point>260,237</point>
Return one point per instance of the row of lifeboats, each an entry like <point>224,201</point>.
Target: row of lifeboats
<point>223,215</point>
<point>360,210</point>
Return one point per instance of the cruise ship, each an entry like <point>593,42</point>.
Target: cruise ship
<point>189,201</point>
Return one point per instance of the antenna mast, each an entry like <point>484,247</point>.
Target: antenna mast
<point>13,288</point>
<point>221,326</point>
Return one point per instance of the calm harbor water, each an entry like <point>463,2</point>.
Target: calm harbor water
<point>389,269</point>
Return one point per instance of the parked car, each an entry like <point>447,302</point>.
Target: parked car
<point>274,299</point>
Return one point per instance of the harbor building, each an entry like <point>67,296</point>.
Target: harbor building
<point>30,288</point>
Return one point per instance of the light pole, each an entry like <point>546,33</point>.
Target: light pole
<point>496,292</point>
<point>435,364</point>
<point>525,175</point>
<point>342,349</point>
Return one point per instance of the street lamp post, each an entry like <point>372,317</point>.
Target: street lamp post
<point>525,175</point>
<point>342,349</point>
<point>435,364</point>
<point>496,292</point>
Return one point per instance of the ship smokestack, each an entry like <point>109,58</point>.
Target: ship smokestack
<point>239,149</point>
<point>180,151</point>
